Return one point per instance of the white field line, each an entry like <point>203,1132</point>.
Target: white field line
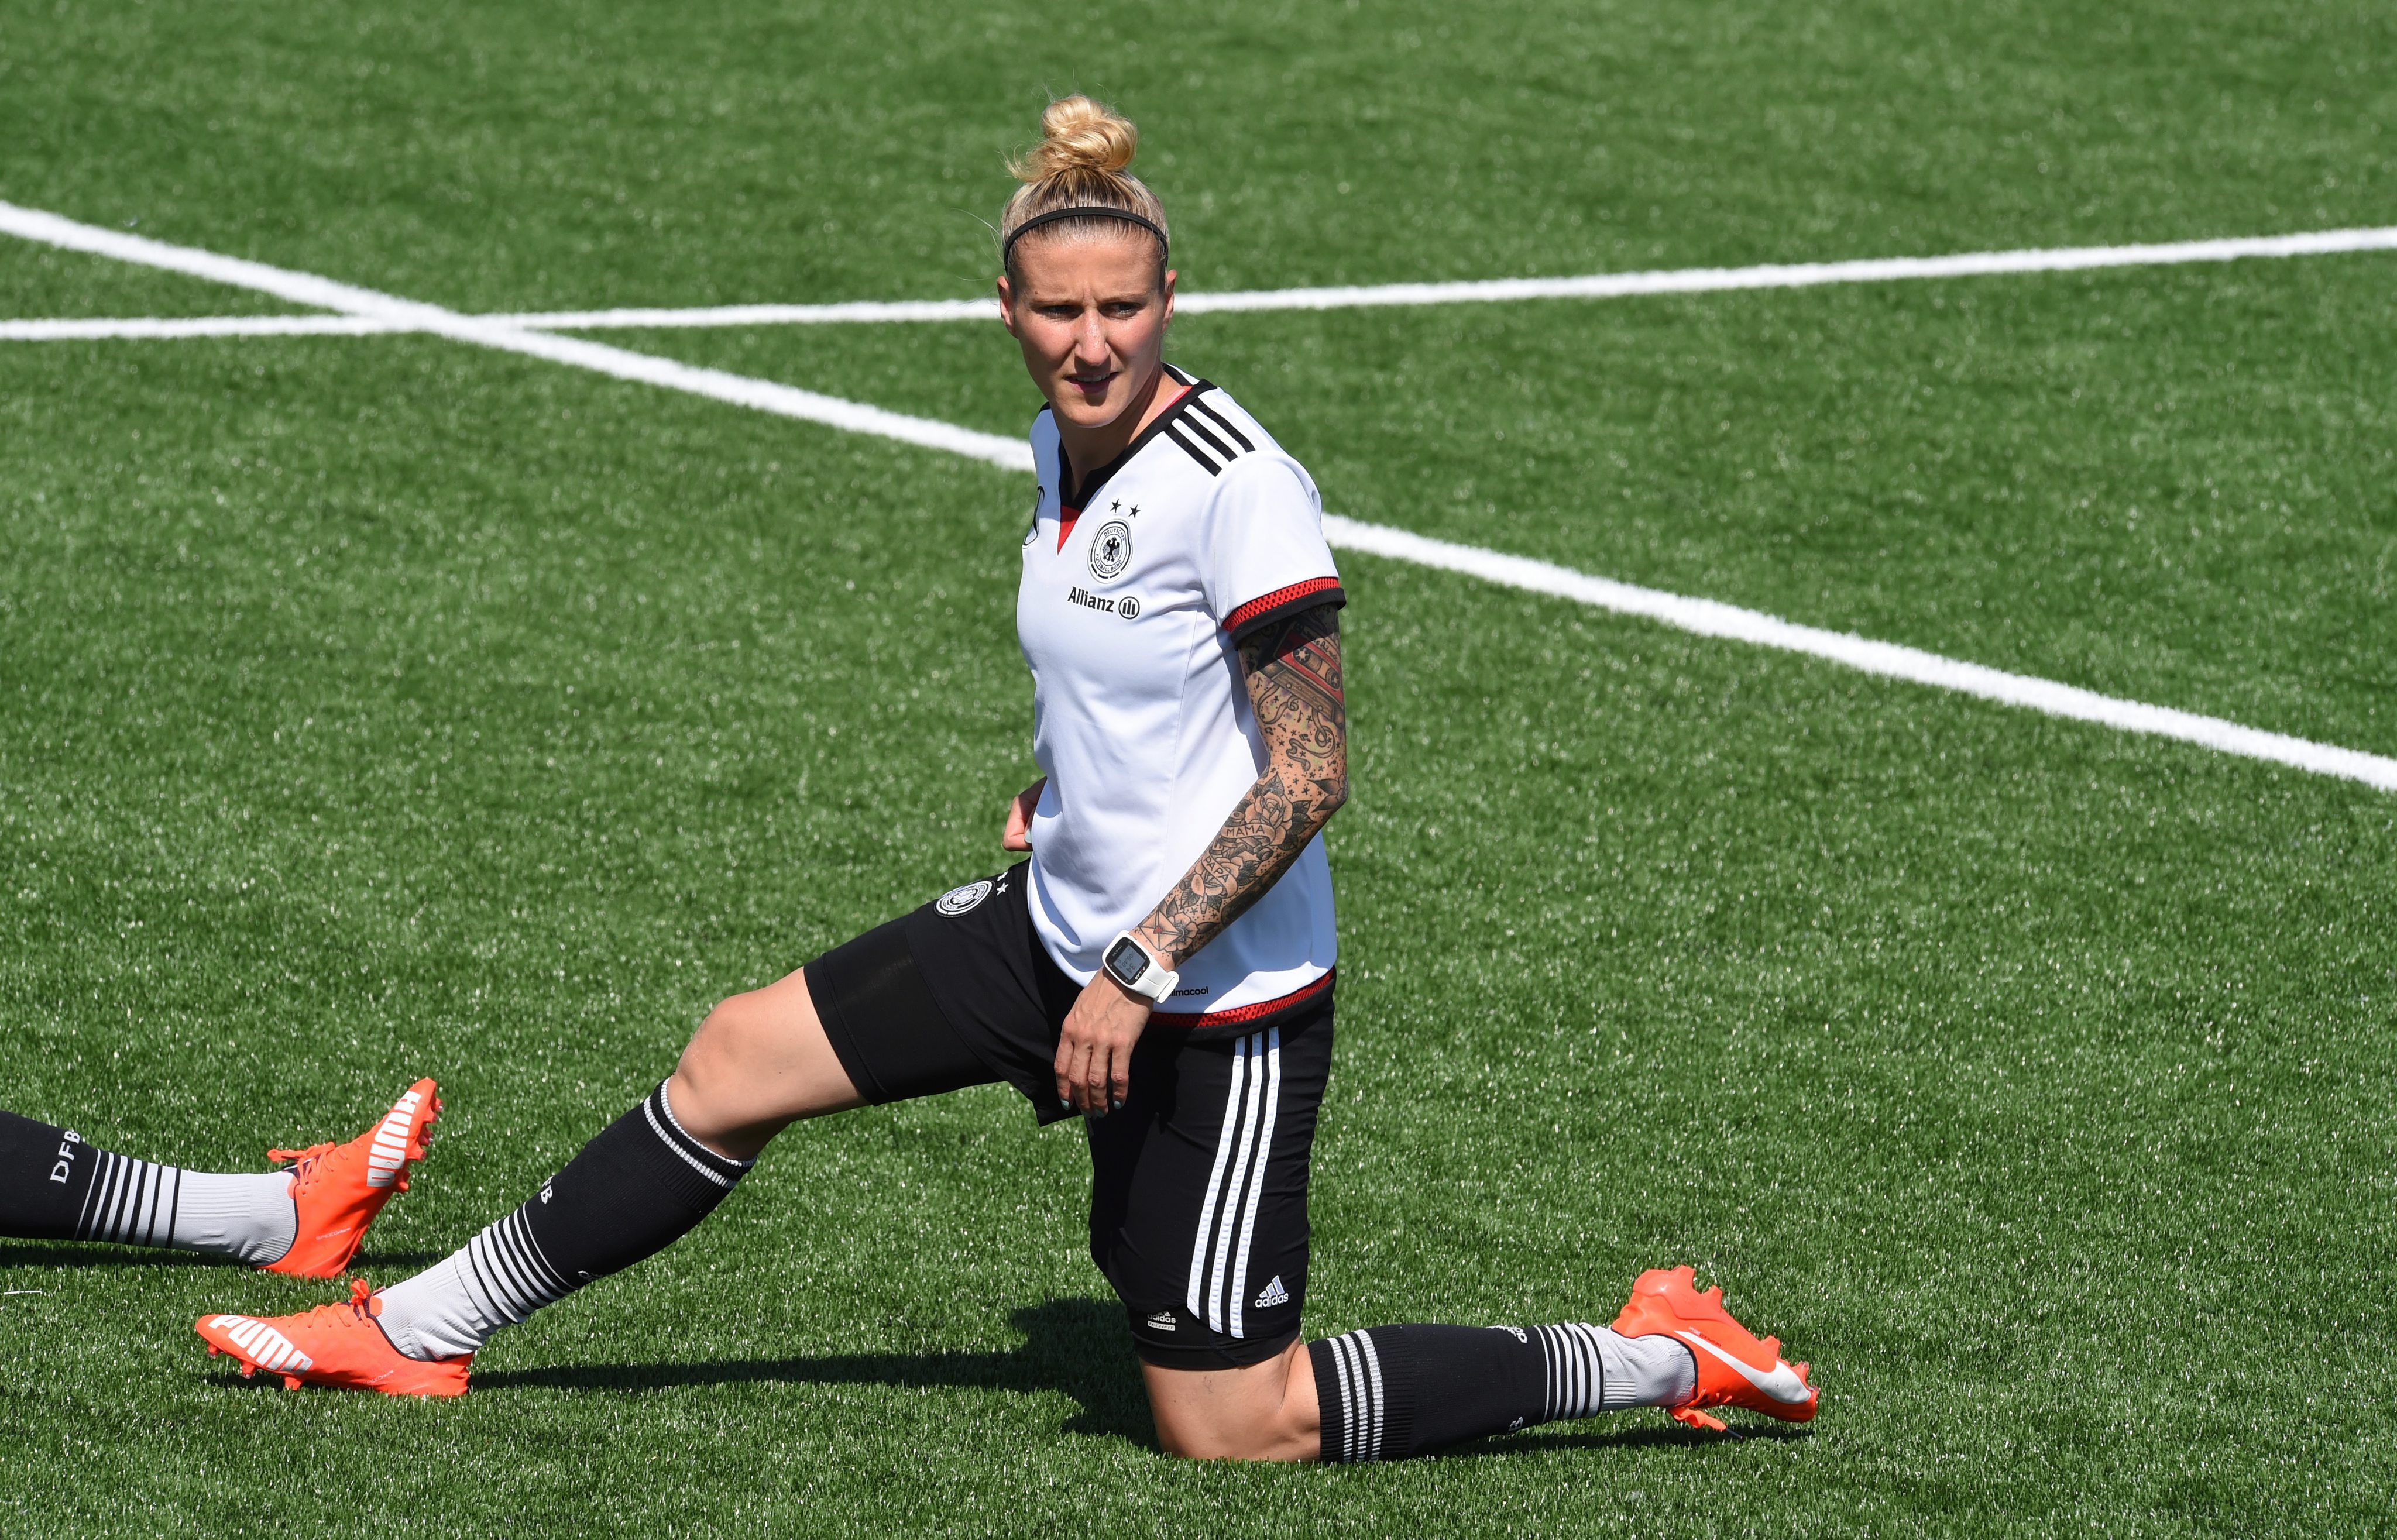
<point>1708,618</point>
<point>309,289</point>
<point>198,326</point>
<point>986,309</point>
<point>1602,286</point>
<point>1702,617</point>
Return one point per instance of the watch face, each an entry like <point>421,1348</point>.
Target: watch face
<point>1128,962</point>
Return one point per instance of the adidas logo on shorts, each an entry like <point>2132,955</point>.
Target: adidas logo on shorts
<point>1161,1321</point>
<point>1275,1294</point>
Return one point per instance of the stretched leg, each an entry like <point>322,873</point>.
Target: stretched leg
<point>759,1063</point>
<point>306,1221</point>
<point>54,1186</point>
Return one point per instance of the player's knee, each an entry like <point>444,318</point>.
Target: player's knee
<point>1201,1437</point>
<point>728,1038</point>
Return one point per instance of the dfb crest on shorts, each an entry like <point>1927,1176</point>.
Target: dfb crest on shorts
<point>957,901</point>
<point>1110,549</point>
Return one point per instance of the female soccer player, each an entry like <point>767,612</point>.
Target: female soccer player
<point>1161,965</point>
<point>307,1221</point>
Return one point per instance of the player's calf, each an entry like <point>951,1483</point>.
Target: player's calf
<point>1393,1391</point>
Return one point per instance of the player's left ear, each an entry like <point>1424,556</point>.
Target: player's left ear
<point>1007,304</point>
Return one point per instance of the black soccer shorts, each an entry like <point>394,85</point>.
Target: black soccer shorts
<point>1198,1183</point>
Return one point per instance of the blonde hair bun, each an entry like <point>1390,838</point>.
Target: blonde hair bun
<point>1079,165</point>
<point>1078,134</point>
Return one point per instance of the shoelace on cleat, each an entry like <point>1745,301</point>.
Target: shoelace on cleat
<point>359,1309</point>
<point>305,1164</point>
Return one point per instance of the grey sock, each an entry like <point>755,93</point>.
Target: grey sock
<point>1645,1371</point>
<point>447,1309</point>
<point>248,1218</point>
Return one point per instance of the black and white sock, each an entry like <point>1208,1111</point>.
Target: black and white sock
<point>1392,1391</point>
<point>632,1192</point>
<point>54,1186</point>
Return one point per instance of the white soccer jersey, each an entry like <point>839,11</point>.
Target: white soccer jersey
<point>1139,577</point>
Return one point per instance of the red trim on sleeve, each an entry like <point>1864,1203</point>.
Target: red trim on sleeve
<point>1185,1022</point>
<point>1280,598</point>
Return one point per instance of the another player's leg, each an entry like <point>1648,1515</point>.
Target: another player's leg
<point>1393,1391</point>
<point>759,1063</point>
<point>307,1221</point>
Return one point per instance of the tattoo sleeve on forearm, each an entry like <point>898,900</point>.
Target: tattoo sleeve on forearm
<point>1294,682</point>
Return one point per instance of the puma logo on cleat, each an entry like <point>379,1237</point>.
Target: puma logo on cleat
<point>1781,1382</point>
<point>263,1345</point>
<point>1275,1294</point>
<point>387,1153</point>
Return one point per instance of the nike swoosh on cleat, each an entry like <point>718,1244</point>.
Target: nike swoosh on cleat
<point>1783,1384</point>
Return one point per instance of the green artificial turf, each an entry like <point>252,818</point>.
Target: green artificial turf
<point>371,707</point>
<point>2030,1079</point>
<point>2171,485</point>
<point>559,156</point>
<point>41,281</point>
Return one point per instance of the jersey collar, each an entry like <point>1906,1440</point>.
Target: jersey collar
<point>1070,496</point>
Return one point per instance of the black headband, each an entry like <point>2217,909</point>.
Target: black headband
<point>1089,211</point>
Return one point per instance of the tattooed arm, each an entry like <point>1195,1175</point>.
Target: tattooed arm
<point>1294,677</point>
<point>1293,669</point>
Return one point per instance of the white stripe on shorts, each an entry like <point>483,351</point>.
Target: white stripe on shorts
<point>1199,1304</point>
<point>1271,1049</point>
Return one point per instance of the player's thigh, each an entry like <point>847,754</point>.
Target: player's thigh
<point>760,1060</point>
<point>1198,1194</point>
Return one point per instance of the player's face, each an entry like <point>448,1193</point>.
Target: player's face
<point>1090,315</point>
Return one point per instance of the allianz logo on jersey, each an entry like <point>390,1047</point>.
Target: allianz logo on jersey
<point>1127,607</point>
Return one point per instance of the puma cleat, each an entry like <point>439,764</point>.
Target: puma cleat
<point>339,1188</point>
<point>337,1345</point>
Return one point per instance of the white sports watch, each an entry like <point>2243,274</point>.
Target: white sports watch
<point>1136,968</point>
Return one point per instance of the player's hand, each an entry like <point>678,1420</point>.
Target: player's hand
<point>1094,1048</point>
<point>1019,817</point>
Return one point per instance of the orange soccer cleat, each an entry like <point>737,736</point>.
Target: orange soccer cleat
<point>338,1345</point>
<point>1734,1368</point>
<point>339,1188</point>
